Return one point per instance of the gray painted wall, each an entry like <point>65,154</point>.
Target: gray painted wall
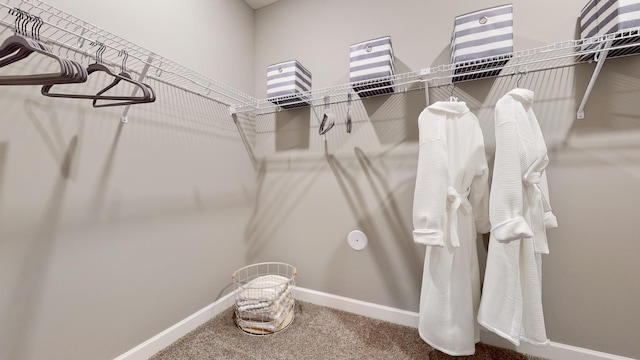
<point>312,193</point>
<point>110,234</point>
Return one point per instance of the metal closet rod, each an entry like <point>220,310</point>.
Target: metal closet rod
<point>166,65</point>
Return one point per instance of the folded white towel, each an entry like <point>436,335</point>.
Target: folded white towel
<point>266,287</point>
<point>266,314</point>
<point>245,305</point>
<point>269,325</point>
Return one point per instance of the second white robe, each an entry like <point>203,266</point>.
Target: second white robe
<point>520,213</point>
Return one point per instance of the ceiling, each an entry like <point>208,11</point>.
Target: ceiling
<point>257,4</point>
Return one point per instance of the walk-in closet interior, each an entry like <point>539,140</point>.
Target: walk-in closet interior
<point>122,217</point>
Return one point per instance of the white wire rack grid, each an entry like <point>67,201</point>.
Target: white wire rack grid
<point>66,31</point>
<point>554,56</point>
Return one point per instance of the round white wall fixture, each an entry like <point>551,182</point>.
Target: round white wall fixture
<point>357,240</point>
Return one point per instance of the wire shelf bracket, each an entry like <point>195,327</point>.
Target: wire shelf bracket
<point>600,58</point>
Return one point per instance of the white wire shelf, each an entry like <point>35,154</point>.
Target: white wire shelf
<point>554,56</point>
<point>73,34</point>
<point>68,32</point>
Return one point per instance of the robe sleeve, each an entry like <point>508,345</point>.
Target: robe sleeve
<point>550,220</point>
<point>432,179</point>
<point>506,199</point>
<point>479,198</point>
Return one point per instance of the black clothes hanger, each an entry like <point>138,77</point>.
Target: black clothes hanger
<point>20,47</point>
<point>451,97</point>
<point>98,67</point>
<point>521,74</point>
<point>10,47</point>
<point>348,113</point>
<point>148,97</point>
<point>16,48</point>
<point>148,94</point>
<point>46,90</point>
<point>328,119</point>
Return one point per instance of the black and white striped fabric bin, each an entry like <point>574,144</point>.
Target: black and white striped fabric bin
<point>482,40</point>
<point>287,83</point>
<point>601,17</point>
<point>371,67</point>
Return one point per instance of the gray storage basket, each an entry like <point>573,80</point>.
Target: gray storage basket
<point>600,17</point>
<point>288,84</point>
<point>265,298</point>
<point>482,42</point>
<point>371,67</point>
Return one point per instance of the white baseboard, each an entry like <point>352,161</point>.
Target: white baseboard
<point>375,311</point>
<point>150,347</point>
<point>555,351</point>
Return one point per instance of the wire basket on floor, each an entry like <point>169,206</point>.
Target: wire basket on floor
<point>264,297</point>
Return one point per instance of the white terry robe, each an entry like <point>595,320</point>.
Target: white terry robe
<point>451,202</point>
<point>511,303</point>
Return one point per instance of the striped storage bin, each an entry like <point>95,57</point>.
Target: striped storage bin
<point>601,17</point>
<point>482,40</point>
<point>286,84</point>
<point>371,68</point>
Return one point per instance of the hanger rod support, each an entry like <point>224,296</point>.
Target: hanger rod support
<point>125,119</point>
<point>601,56</point>
<point>426,93</point>
<point>245,141</point>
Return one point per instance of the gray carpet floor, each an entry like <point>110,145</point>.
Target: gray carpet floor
<point>317,332</point>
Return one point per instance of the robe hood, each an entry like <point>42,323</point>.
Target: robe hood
<point>454,107</point>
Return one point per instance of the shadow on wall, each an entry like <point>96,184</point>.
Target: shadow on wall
<point>51,134</point>
<point>388,226</point>
<point>284,182</point>
<point>105,175</point>
<point>4,149</point>
<point>378,192</point>
<point>444,57</point>
<point>184,122</point>
<point>275,202</point>
<point>24,300</point>
<point>292,129</point>
<point>610,130</point>
<point>377,123</point>
<point>246,126</point>
<point>394,118</point>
